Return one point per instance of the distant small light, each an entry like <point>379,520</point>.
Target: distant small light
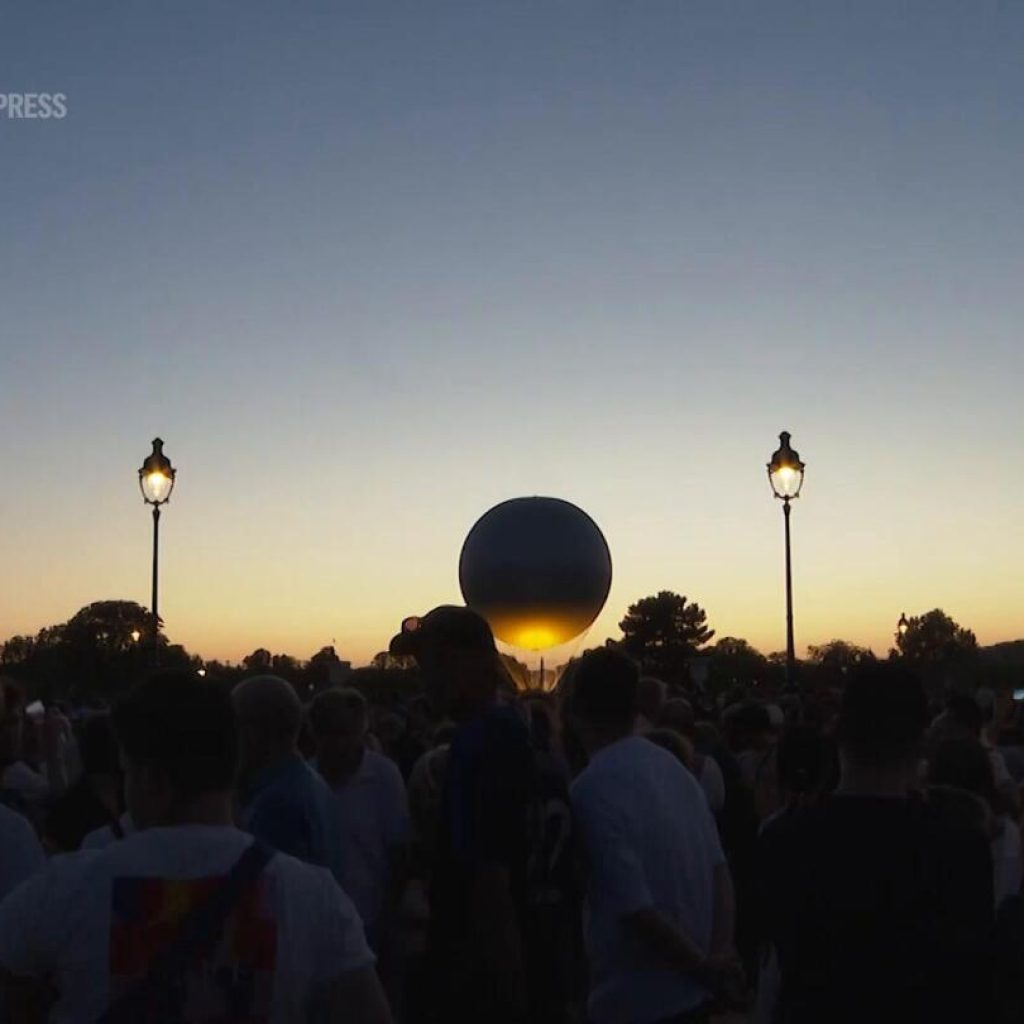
<point>201,673</point>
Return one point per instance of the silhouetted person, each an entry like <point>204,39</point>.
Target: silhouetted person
<point>659,895</point>
<point>878,907</point>
<point>488,960</point>
<point>371,807</point>
<point>677,714</point>
<point>96,800</point>
<point>20,850</point>
<point>188,919</point>
<point>965,764</point>
<point>284,802</point>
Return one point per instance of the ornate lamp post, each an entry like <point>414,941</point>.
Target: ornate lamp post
<point>786,475</point>
<point>156,481</point>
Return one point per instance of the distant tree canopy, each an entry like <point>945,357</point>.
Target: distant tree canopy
<point>103,649</point>
<point>934,639</point>
<point>839,654</point>
<point>663,632</point>
<point>95,656</point>
<point>735,663</point>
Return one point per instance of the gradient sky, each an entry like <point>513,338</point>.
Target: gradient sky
<point>370,268</point>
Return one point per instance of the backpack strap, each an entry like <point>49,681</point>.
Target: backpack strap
<point>199,930</point>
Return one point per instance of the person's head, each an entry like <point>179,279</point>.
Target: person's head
<point>963,763</point>
<point>965,715</point>
<point>747,726</point>
<point>457,657</point>
<point>339,720</point>
<point>650,697</point>
<point>12,721</point>
<point>603,705</point>
<point>269,719</point>
<point>97,744</point>
<point>179,748</point>
<point>677,714</point>
<point>882,718</point>
<point>804,761</point>
<point>706,737</point>
<point>675,743</point>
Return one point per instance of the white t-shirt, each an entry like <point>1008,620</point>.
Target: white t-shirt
<point>102,837</point>
<point>92,922</point>
<point>21,853</point>
<point>373,814</point>
<point>713,783</point>
<point>651,842</point>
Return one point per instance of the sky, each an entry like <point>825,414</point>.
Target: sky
<point>371,268</point>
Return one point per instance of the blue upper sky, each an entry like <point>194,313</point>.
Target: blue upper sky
<point>372,267</point>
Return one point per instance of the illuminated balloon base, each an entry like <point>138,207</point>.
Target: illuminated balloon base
<point>539,670</point>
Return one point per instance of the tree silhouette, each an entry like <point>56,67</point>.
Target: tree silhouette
<point>735,663</point>
<point>831,663</point>
<point>935,639</point>
<point>96,655</point>
<point>663,632</point>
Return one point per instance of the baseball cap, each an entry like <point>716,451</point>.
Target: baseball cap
<point>447,627</point>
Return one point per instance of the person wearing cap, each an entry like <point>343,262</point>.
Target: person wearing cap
<point>479,883</point>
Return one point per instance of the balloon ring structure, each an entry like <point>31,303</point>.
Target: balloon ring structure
<point>538,569</point>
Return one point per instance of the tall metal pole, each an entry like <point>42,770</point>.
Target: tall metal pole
<point>790,647</point>
<point>153,605</point>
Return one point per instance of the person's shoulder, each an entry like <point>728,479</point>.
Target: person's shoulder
<point>13,824</point>
<point>305,884</point>
<point>380,766</point>
<point>609,768</point>
<point>68,875</point>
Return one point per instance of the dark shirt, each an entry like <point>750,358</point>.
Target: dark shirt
<point>74,814</point>
<point>879,909</point>
<point>290,807</point>
<point>485,809</point>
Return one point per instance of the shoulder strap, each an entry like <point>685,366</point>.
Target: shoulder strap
<point>198,930</point>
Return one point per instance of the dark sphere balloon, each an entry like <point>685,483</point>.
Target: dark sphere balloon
<point>538,569</point>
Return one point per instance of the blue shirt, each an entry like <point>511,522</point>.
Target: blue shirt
<point>290,808</point>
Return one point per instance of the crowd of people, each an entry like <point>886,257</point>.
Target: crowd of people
<point>622,851</point>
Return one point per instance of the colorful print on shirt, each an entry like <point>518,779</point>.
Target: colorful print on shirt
<point>231,982</point>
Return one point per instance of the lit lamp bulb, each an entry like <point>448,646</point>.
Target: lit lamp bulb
<point>136,636</point>
<point>786,471</point>
<point>156,477</point>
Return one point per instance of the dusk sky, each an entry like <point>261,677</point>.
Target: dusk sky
<point>370,268</point>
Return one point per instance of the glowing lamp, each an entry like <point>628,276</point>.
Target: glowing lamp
<point>786,471</point>
<point>156,477</point>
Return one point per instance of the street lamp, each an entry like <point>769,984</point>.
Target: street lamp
<point>901,630</point>
<point>156,481</point>
<point>786,475</point>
